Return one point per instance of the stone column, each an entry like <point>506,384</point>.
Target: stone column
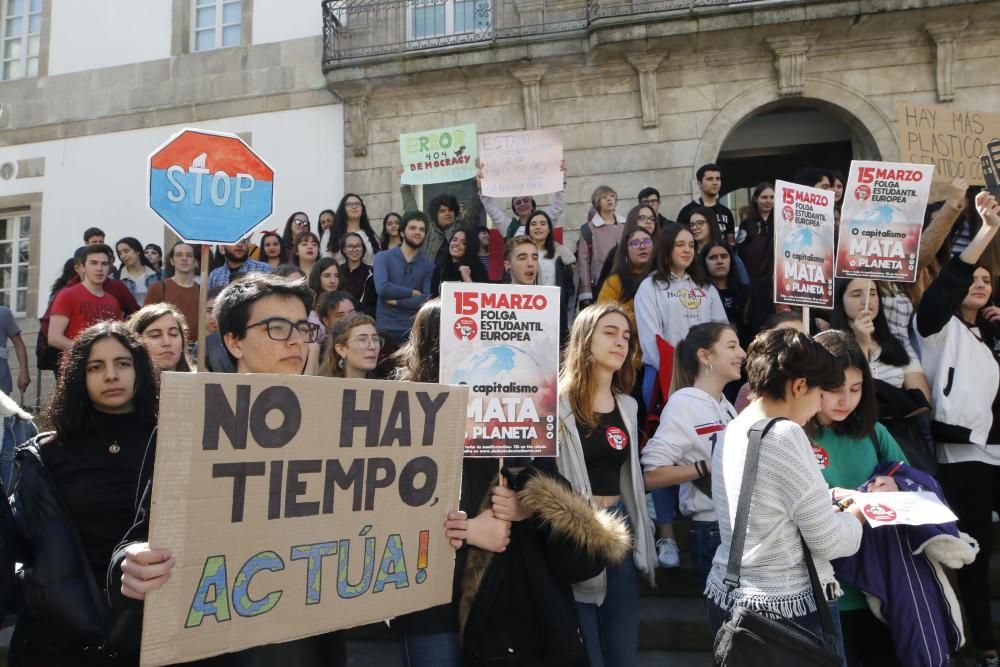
<point>530,77</point>
<point>646,66</point>
<point>790,61</point>
<point>355,96</point>
<point>943,34</point>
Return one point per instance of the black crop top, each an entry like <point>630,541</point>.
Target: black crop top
<point>605,451</point>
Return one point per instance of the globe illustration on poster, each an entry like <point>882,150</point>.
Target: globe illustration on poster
<point>882,215</point>
<point>499,364</point>
<point>805,242</point>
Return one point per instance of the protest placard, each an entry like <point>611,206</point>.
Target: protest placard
<point>881,220</point>
<point>912,508</point>
<point>953,140</point>
<point>803,249</point>
<point>521,163</point>
<point>297,505</point>
<point>439,156</point>
<point>503,342</point>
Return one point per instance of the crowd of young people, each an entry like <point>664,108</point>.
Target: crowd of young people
<point>655,318</point>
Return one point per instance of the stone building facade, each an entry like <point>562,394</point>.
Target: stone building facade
<point>112,80</point>
<point>645,91</point>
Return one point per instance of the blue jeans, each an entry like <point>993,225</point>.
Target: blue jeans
<point>7,452</point>
<point>665,503</point>
<point>704,541</point>
<point>438,650</point>
<point>810,623</point>
<point>611,630</point>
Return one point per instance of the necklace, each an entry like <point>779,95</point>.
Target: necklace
<point>114,448</point>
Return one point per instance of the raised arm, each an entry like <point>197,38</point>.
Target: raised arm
<point>937,232</point>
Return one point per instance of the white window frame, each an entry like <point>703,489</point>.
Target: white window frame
<point>449,18</point>
<point>30,9</point>
<point>16,218</point>
<point>217,30</point>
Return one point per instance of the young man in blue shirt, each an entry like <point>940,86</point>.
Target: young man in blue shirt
<point>403,279</point>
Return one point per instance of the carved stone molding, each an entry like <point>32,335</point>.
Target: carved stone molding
<point>790,61</point>
<point>530,77</point>
<point>531,12</point>
<point>943,34</point>
<point>646,66</point>
<point>355,96</point>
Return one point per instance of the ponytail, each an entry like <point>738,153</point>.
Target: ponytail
<point>686,363</point>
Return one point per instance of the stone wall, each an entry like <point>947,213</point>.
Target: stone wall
<point>857,68</point>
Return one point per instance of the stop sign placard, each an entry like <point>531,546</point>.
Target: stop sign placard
<point>209,187</point>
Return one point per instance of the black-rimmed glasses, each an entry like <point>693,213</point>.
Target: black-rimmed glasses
<point>280,329</point>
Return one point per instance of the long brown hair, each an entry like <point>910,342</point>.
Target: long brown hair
<point>141,319</point>
<point>418,360</point>
<point>576,377</point>
<point>702,336</point>
<point>329,365</point>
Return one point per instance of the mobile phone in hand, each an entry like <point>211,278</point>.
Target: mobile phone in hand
<point>991,168</point>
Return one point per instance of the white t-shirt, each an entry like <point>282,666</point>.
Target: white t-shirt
<point>892,374</point>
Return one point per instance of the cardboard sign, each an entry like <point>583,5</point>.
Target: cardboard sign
<point>882,219</point>
<point>298,505</point>
<point>953,140</point>
<point>521,163</point>
<point>803,251</point>
<point>912,508</point>
<point>439,156</point>
<point>209,187</point>
<point>503,342</point>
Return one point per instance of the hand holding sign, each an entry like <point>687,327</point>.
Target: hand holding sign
<point>521,163</point>
<point>988,209</point>
<point>144,569</point>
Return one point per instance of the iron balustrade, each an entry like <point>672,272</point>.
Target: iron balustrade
<point>363,29</point>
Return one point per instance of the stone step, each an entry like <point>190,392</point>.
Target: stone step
<point>364,653</point>
<point>673,624</point>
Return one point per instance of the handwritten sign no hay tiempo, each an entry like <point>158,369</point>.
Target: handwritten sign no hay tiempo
<point>296,506</point>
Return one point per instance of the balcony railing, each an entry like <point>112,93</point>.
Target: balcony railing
<point>361,29</point>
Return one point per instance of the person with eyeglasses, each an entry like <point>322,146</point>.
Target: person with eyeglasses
<point>180,290</point>
<point>645,218</point>
<point>357,277</point>
<point>651,197</point>
<point>705,229</point>
<point>631,263</point>
<point>710,184</point>
<point>351,217</point>
<point>262,320</point>
<point>353,348</point>
<point>297,223</point>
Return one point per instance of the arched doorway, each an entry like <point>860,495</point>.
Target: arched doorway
<point>775,142</point>
<point>829,125</point>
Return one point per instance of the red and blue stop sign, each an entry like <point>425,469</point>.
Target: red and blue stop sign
<point>209,187</point>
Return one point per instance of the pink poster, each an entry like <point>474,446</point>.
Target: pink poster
<point>521,163</point>
<point>881,221</point>
<point>803,245</point>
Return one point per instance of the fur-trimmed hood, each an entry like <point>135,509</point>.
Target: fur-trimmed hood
<point>597,535</point>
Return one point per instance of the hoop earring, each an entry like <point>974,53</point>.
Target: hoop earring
<point>340,363</point>
<point>710,369</point>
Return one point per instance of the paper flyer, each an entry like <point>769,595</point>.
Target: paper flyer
<point>911,508</point>
<point>503,342</point>
<point>882,219</point>
<point>803,249</point>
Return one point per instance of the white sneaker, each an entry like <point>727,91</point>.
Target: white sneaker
<point>667,552</point>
